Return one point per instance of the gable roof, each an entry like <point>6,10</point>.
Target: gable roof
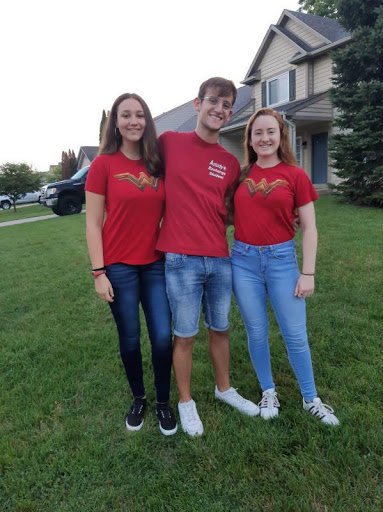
<point>327,30</point>
<point>89,151</point>
<point>184,117</point>
<point>327,27</point>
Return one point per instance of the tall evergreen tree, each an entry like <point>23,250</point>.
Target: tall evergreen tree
<point>326,8</point>
<point>72,162</point>
<point>65,167</point>
<point>102,123</point>
<point>357,151</point>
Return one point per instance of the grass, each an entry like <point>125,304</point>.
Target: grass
<point>24,213</point>
<point>63,445</point>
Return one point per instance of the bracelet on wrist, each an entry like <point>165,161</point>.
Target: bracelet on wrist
<point>304,274</point>
<point>95,269</point>
<point>97,273</point>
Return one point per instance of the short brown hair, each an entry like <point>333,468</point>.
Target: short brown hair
<point>225,87</point>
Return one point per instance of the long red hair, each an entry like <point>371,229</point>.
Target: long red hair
<point>285,151</point>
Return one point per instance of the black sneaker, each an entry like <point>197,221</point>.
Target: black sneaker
<point>166,420</point>
<point>135,417</point>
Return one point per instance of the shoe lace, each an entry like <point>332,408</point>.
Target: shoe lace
<point>165,413</point>
<point>322,409</point>
<point>191,414</point>
<point>269,399</point>
<point>237,397</point>
<point>136,409</point>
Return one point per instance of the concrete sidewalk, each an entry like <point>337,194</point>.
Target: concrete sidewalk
<point>30,219</point>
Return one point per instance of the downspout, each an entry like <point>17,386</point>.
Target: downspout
<point>292,132</point>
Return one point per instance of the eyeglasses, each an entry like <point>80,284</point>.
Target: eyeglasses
<point>214,101</point>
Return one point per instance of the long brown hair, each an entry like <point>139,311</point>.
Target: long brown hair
<point>285,151</point>
<point>111,137</point>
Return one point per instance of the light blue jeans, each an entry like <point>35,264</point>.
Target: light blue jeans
<point>272,270</point>
<point>191,280</point>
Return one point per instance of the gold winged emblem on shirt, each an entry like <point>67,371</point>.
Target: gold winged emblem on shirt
<point>141,182</point>
<point>263,186</point>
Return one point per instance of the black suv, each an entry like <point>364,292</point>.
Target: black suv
<point>66,197</point>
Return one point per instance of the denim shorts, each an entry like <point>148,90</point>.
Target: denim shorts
<point>191,280</point>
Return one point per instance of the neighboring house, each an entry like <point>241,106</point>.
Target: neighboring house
<point>86,155</point>
<point>291,73</point>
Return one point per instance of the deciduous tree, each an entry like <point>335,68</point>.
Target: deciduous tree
<point>16,180</point>
<point>326,8</point>
<point>54,174</point>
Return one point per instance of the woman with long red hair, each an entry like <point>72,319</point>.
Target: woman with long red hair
<point>264,261</point>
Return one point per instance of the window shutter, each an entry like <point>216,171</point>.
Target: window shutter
<point>292,87</point>
<point>264,102</point>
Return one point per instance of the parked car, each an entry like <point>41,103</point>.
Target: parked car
<point>66,197</point>
<point>30,197</point>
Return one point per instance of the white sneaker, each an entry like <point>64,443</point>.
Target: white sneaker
<point>190,421</point>
<point>231,397</point>
<point>322,411</point>
<point>269,404</point>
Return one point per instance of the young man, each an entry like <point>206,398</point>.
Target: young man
<point>199,175</point>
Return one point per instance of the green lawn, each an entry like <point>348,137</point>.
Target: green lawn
<point>63,444</point>
<point>24,213</point>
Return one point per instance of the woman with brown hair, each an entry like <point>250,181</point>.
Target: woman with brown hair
<point>264,261</point>
<point>125,182</point>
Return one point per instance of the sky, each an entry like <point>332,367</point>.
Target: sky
<point>62,63</point>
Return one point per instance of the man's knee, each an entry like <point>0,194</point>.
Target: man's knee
<point>184,343</point>
<point>218,336</point>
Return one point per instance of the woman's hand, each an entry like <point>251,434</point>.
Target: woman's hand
<point>103,288</point>
<point>305,287</point>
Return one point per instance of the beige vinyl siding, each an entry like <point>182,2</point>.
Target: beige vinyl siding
<point>322,109</point>
<point>303,33</point>
<point>233,142</point>
<point>275,62</point>
<point>257,94</point>
<point>276,59</point>
<point>322,74</point>
<point>306,149</point>
<point>300,77</point>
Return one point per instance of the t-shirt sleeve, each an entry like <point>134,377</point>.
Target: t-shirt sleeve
<point>304,190</point>
<point>97,179</point>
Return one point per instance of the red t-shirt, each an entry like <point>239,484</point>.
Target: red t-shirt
<point>198,177</point>
<point>265,201</point>
<point>134,204</point>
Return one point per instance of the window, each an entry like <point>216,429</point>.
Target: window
<point>298,151</point>
<point>278,89</point>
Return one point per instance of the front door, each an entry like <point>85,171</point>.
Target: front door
<point>319,158</point>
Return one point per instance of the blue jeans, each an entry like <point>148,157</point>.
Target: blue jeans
<point>191,280</point>
<point>133,284</point>
<point>272,270</point>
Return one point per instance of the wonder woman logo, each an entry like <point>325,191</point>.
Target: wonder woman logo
<point>263,187</point>
<point>140,182</point>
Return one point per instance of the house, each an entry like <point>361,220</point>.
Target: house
<point>86,155</point>
<point>291,73</point>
